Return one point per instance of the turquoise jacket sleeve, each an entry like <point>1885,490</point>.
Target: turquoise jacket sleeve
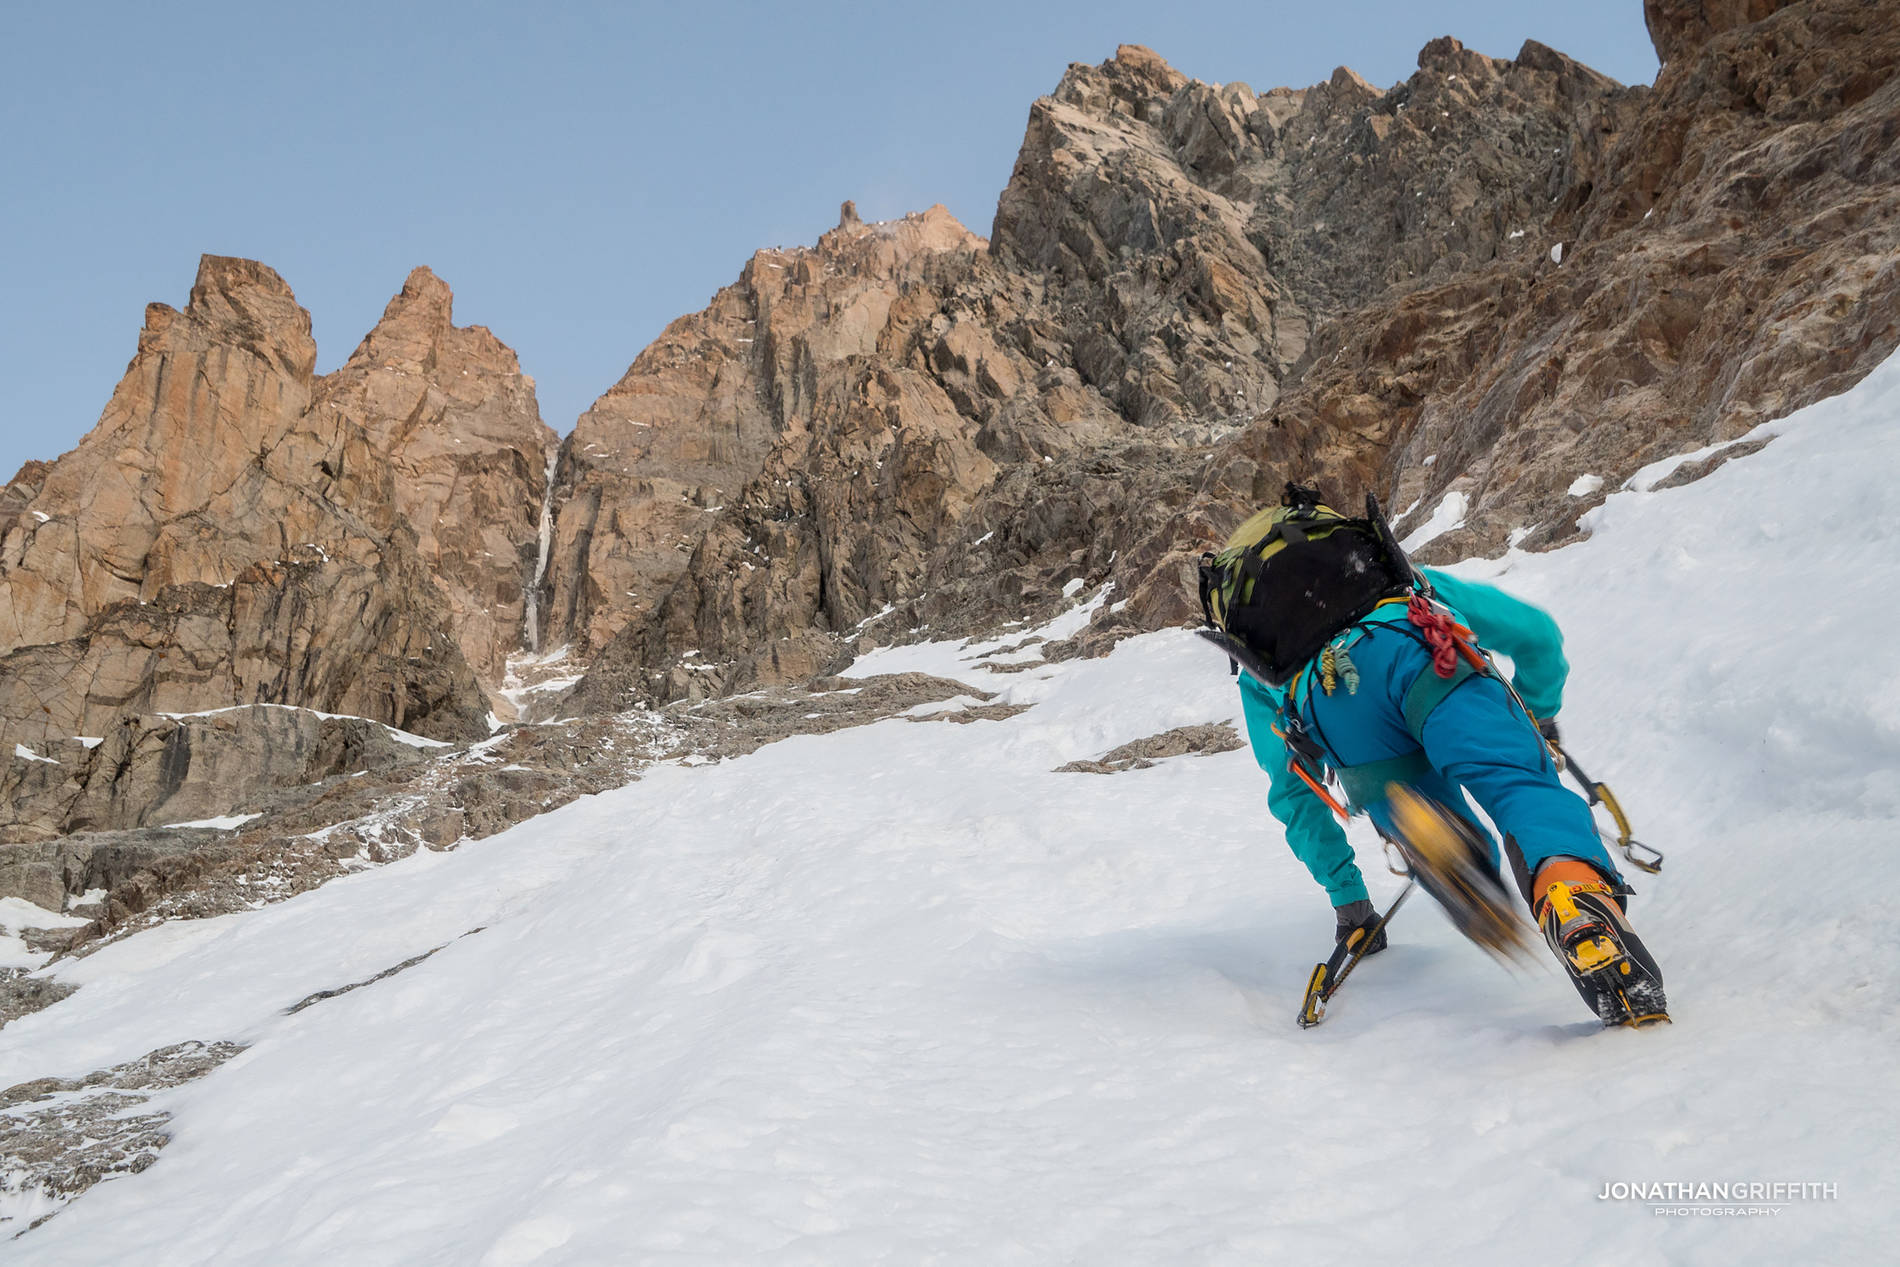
<point>1512,627</point>
<point>1312,832</point>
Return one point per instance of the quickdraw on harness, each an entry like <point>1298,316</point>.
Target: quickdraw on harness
<point>1455,657</point>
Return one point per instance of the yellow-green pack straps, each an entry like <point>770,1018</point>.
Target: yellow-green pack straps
<point>1290,530</point>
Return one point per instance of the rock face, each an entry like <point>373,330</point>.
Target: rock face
<point>1323,201</point>
<point>1489,280</point>
<point>1680,27</point>
<point>789,364</point>
<point>1725,252</point>
<point>237,532</point>
<point>212,393</point>
<point>958,432</point>
<point>152,771</point>
<point>782,464</point>
<point>1207,230</point>
<point>468,456</point>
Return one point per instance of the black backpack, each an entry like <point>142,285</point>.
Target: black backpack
<point>1296,574</point>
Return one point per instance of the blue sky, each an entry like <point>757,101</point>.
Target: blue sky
<point>580,174</point>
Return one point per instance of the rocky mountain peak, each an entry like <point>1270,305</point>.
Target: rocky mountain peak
<point>414,320</point>
<point>1657,286</point>
<point>882,249</point>
<point>676,447</point>
<point>1348,86</point>
<point>212,389</point>
<point>246,304</point>
<point>457,424</point>
<point>1470,289</point>
<point>417,334</point>
<point>1129,84</point>
<point>235,532</point>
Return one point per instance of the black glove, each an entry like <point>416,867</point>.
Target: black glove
<point>1547,727</point>
<point>1358,914</point>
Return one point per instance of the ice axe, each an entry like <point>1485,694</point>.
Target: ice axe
<point>1640,855</point>
<point>1329,976</point>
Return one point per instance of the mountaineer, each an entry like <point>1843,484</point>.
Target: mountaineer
<point>1368,672</point>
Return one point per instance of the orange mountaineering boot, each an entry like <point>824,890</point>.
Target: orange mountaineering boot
<point>1581,915</point>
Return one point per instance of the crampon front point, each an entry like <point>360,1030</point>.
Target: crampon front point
<point>1584,926</point>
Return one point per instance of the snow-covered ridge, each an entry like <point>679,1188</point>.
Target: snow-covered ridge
<point>224,822</point>
<point>400,736</point>
<point>903,993</point>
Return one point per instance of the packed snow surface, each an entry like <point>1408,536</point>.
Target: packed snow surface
<point>902,994</point>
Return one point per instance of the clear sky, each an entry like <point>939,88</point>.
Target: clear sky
<point>579,173</point>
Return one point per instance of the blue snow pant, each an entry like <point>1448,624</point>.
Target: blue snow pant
<point>1476,740</point>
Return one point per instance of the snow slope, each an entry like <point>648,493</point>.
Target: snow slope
<point>903,994</point>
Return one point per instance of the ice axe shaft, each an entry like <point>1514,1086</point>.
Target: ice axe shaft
<point>1639,855</point>
<point>1329,976</point>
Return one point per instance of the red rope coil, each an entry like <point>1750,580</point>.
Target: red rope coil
<point>1441,634</point>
